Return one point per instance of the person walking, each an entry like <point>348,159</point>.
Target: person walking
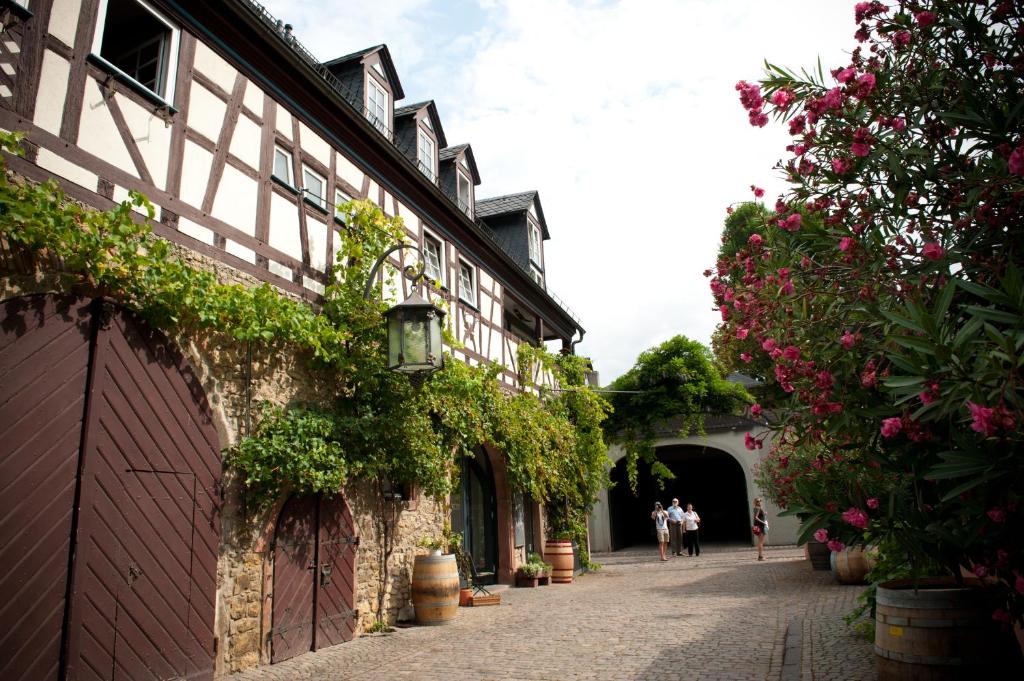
<point>675,527</point>
<point>660,518</point>
<point>760,526</point>
<point>691,527</point>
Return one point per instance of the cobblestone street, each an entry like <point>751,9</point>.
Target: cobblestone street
<point>721,616</point>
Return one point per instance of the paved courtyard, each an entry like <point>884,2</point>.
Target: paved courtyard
<point>721,616</point>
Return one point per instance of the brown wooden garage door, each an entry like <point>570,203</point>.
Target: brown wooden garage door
<point>110,470</point>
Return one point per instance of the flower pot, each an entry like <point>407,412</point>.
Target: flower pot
<point>939,631</point>
<point>558,552</point>
<point>525,581</point>
<point>851,565</point>
<point>435,589</point>
<point>819,555</point>
<point>465,597</point>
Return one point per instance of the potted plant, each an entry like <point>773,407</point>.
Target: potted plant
<point>533,572</point>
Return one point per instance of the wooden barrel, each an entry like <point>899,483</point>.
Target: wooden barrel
<point>851,565</point>
<point>435,589</point>
<point>559,554</point>
<point>938,632</point>
<point>818,554</point>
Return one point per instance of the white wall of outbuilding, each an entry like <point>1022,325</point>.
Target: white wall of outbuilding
<point>731,442</point>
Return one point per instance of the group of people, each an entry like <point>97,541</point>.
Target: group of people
<point>678,527</point>
<point>681,529</point>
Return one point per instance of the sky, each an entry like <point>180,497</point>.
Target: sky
<point>623,115</point>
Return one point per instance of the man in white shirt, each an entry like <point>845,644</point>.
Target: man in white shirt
<point>675,527</point>
<point>691,527</point>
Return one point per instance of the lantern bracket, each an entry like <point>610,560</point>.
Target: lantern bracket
<point>410,272</point>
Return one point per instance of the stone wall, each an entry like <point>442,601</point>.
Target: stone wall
<point>236,380</point>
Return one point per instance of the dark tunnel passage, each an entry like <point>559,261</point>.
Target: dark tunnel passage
<point>710,479</point>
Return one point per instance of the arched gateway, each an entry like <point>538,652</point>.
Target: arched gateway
<point>109,475</point>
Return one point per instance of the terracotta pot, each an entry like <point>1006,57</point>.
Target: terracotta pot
<point>435,589</point>
<point>939,631</point>
<point>465,597</point>
<point>559,554</point>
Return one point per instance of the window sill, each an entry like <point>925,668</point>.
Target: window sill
<point>132,84</point>
<point>469,304</point>
<point>284,183</point>
<point>314,204</point>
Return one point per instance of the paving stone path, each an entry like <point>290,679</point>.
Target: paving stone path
<point>721,616</point>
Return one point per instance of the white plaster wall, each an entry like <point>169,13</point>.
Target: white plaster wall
<point>783,529</point>
<point>210,64</point>
<point>389,205</point>
<point>280,270</point>
<point>53,88</point>
<point>64,20</point>
<point>252,97</point>
<point>243,252</point>
<point>349,172</point>
<point>284,122</point>
<point>314,145</point>
<point>152,136</point>
<point>206,112</point>
<point>235,201</point>
<point>494,350</point>
<point>284,226</point>
<point>97,133</point>
<point>60,167</point>
<point>245,142</point>
<point>194,230</point>
<point>373,193</point>
<point>195,173</point>
<point>316,232</point>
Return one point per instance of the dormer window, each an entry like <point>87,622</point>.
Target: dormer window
<point>465,190</point>
<point>425,156</point>
<point>537,276</point>
<point>535,244</point>
<point>377,105</point>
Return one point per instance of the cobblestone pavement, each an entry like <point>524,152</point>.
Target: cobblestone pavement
<point>720,616</point>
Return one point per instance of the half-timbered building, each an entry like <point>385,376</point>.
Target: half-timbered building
<point>125,554</point>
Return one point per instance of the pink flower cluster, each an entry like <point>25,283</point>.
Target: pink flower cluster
<point>751,442</point>
<point>933,251</point>
<point>856,517</point>
<point>836,545</point>
<point>753,102</point>
<point>821,535</point>
<point>891,427</point>
<point>989,420</point>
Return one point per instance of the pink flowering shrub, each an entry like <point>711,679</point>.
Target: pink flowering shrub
<point>883,304</point>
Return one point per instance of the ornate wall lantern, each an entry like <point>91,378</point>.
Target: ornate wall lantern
<point>414,326</point>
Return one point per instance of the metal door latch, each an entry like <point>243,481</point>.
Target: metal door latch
<point>325,575</point>
<point>134,572</point>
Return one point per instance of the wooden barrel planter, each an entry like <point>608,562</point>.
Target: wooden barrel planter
<point>819,555</point>
<point>435,589</point>
<point>938,632</point>
<point>851,565</point>
<point>559,554</point>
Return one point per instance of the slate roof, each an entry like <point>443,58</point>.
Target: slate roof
<point>512,203</point>
<point>435,119</point>
<point>385,56</point>
<point>450,153</point>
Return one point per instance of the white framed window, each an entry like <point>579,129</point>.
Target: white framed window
<point>535,244</point>
<point>467,283</point>
<point>433,258</point>
<point>465,190</point>
<point>537,276</point>
<point>283,166</point>
<point>340,197</point>
<point>139,42</point>
<point>376,104</point>
<point>425,154</point>
<point>314,187</point>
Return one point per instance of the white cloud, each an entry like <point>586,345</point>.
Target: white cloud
<point>623,115</point>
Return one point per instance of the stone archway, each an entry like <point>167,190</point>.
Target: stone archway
<point>711,479</point>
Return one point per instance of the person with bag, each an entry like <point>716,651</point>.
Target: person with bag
<point>691,527</point>
<point>675,527</point>
<point>760,528</point>
<point>660,518</point>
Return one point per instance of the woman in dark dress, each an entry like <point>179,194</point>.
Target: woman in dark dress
<point>761,524</point>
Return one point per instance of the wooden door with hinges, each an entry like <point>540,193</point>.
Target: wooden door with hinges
<point>314,576</point>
